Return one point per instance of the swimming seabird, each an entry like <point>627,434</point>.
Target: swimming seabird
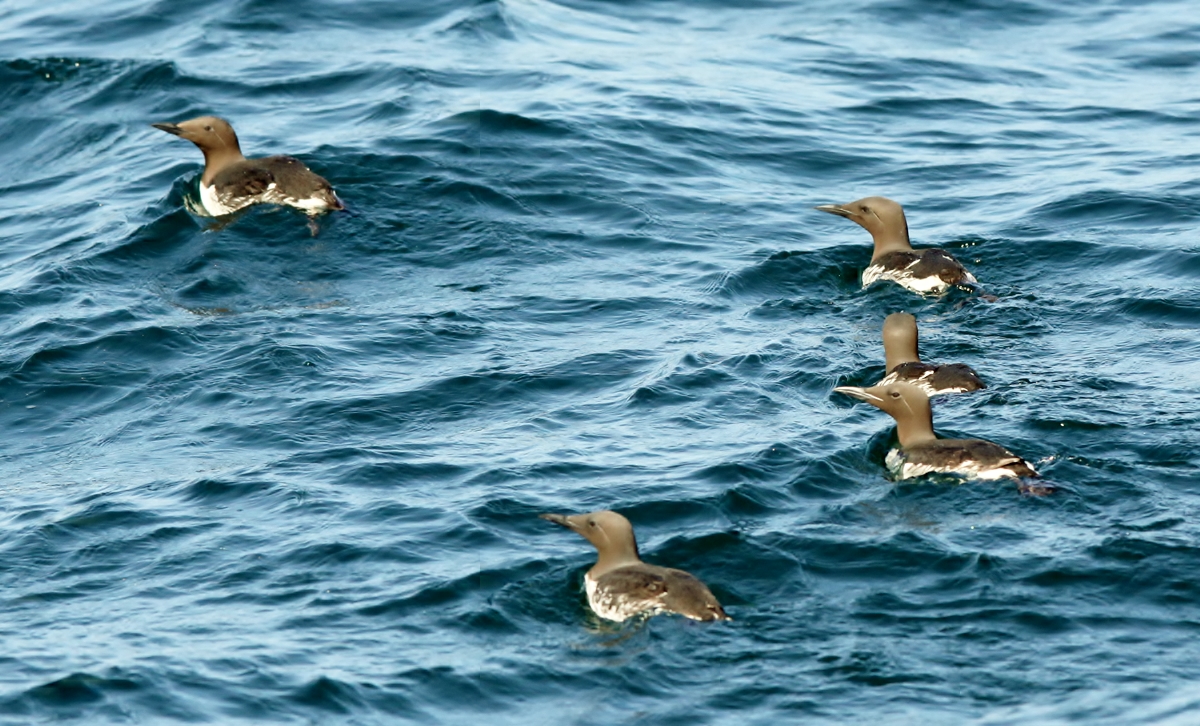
<point>927,271</point>
<point>904,363</point>
<point>922,452</point>
<point>620,586</point>
<point>231,181</point>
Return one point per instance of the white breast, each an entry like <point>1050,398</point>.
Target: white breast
<point>212,201</point>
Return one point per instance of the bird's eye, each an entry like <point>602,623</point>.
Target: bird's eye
<point>208,128</point>
<point>591,523</point>
<point>894,394</point>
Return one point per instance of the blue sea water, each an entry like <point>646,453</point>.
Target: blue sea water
<point>253,476</point>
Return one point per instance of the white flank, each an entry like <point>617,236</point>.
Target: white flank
<point>214,205</point>
<point>311,204</point>
<point>921,383</point>
<point>931,285</point>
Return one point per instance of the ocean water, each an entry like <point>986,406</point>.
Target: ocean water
<point>253,476</point>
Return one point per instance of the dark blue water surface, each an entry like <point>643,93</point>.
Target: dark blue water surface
<point>253,476</point>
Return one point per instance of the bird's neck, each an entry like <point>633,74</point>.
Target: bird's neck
<point>917,426</point>
<point>887,242</point>
<point>609,561</point>
<point>898,352</point>
<point>217,160</point>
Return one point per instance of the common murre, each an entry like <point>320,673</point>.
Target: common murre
<point>231,181</point>
<point>922,452</point>
<point>926,271</point>
<point>620,586</point>
<point>904,363</point>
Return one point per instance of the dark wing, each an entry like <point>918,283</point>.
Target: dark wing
<point>897,260</point>
<point>295,177</point>
<point>662,587</point>
<point>940,263</point>
<point>967,453</point>
<point>688,596</point>
<point>955,375</point>
<point>243,180</point>
<point>912,371</point>
<point>636,582</point>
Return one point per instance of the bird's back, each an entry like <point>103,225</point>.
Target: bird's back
<point>644,588</point>
<point>274,180</point>
<point>934,379</point>
<point>972,458</point>
<point>929,270</point>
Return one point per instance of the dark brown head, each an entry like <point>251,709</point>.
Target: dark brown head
<point>900,340</point>
<point>610,533</point>
<point>880,216</point>
<point>904,402</point>
<point>214,136</point>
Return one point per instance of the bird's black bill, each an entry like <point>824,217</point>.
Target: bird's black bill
<point>856,392</point>
<point>559,519</point>
<point>169,128</point>
<point>835,209</point>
